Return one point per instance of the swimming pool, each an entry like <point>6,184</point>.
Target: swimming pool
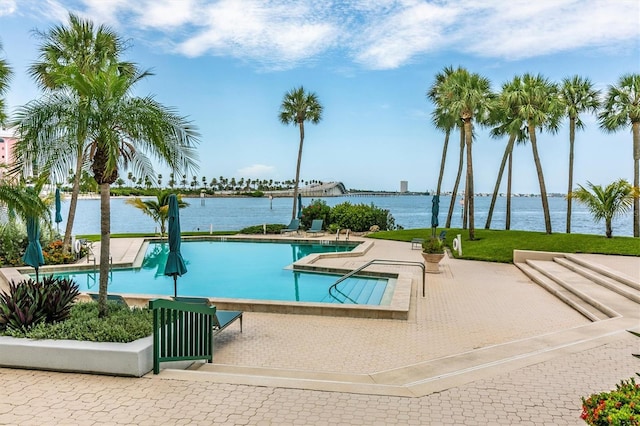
<point>237,270</point>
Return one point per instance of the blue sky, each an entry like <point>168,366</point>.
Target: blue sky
<point>227,64</point>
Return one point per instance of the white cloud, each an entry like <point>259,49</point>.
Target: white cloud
<point>376,34</point>
<point>7,7</point>
<point>257,171</point>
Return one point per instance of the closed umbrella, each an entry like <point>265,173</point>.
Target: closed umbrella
<point>435,209</point>
<point>299,206</point>
<point>33,254</point>
<point>175,263</point>
<point>58,209</point>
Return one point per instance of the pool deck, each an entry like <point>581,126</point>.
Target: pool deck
<point>485,346</point>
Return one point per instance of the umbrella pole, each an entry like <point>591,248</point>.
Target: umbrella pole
<point>175,286</point>
<point>36,274</point>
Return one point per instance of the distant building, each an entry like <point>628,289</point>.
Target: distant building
<point>7,142</point>
<point>404,186</point>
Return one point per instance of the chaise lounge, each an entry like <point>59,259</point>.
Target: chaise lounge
<point>221,320</point>
<point>316,227</point>
<point>293,226</point>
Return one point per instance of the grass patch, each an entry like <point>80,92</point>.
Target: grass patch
<point>122,325</point>
<point>498,246</point>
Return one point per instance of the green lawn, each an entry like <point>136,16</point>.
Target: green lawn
<point>498,246</point>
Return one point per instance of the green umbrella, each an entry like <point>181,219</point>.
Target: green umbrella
<point>299,206</point>
<point>33,254</point>
<point>435,209</point>
<point>175,263</point>
<point>58,209</point>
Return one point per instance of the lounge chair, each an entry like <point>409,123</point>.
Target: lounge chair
<point>222,318</point>
<point>316,227</point>
<point>294,225</point>
<point>110,298</point>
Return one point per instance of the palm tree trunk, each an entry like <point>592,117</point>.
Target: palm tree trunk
<point>295,187</point>
<point>608,231</point>
<point>443,160</point>
<point>507,223</point>
<point>496,188</point>
<point>635,128</point>
<point>543,188</point>
<point>469,204</point>
<point>572,136</point>
<point>66,244</point>
<point>454,193</point>
<point>105,242</point>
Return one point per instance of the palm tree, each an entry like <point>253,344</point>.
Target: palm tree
<point>67,52</point>
<point>614,200</point>
<point>533,98</point>
<point>22,200</point>
<point>442,118</point>
<point>297,107</point>
<point>577,96</point>
<point>621,109</point>
<point>157,209</point>
<point>506,122</point>
<point>5,77</point>
<point>121,131</point>
<point>470,98</point>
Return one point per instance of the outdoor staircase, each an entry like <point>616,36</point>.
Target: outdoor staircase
<point>595,291</point>
<point>363,291</point>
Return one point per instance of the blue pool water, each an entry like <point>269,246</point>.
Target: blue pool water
<point>234,269</point>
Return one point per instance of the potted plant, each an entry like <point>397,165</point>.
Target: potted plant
<point>433,253</point>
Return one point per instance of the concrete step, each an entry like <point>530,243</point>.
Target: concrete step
<point>602,298</point>
<point>608,272</point>
<point>621,287</point>
<point>580,303</point>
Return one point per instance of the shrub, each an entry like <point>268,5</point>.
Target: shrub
<point>54,255</point>
<point>318,209</point>
<point>13,243</point>
<point>361,217</point>
<point>122,325</point>
<point>272,228</point>
<point>618,407</point>
<point>29,302</point>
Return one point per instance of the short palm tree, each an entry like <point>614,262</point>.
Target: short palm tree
<point>577,95</point>
<point>606,203</point>
<point>157,209</point>
<point>5,77</point>
<point>621,110</point>
<point>298,107</point>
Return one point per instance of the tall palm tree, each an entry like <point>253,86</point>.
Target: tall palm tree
<point>5,78</point>
<point>441,117</point>
<point>298,107</point>
<point>577,95</point>
<point>157,209</point>
<point>533,98</point>
<point>470,99</point>
<point>606,203</point>
<point>77,48</point>
<point>621,109</point>
<point>506,122</point>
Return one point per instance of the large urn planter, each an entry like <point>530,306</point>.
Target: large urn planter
<point>432,261</point>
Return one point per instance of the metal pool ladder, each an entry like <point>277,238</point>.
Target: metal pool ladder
<point>334,287</point>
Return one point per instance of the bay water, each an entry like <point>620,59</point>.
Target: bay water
<point>409,211</point>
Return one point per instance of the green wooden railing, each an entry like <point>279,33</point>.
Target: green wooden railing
<point>181,331</point>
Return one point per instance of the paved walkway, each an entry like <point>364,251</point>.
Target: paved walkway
<point>470,305</point>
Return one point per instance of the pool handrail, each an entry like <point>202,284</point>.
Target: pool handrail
<point>334,287</point>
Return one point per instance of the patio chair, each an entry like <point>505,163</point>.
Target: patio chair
<point>316,227</point>
<point>110,298</point>
<point>294,225</point>
<point>221,319</point>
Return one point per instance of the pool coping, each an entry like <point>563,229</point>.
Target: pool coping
<point>397,309</point>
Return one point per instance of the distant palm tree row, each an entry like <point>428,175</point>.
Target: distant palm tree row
<point>526,106</point>
<point>217,184</point>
